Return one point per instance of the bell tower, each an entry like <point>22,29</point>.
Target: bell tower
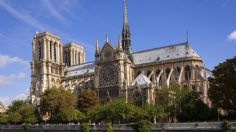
<point>47,64</point>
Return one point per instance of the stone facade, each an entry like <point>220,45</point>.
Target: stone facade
<point>117,71</point>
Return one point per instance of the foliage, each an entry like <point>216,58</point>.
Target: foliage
<point>85,127</point>
<point>96,113</point>
<point>193,109</point>
<point>55,100</point>
<point>223,85</point>
<point>108,127</point>
<point>169,99</point>
<point>15,105</point>
<point>3,118</point>
<point>29,114</point>
<point>69,115</point>
<point>14,117</point>
<point>226,126</point>
<point>142,126</point>
<point>19,111</point>
<point>152,112</point>
<point>27,126</point>
<point>86,100</point>
<point>117,110</point>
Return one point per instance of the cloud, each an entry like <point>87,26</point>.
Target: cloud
<point>7,100</point>
<point>22,15</point>
<point>5,80</point>
<point>232,36</point>
<point>53,10</point>
<point>6,60</point>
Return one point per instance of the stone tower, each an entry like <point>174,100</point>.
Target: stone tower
<point>47,66</point>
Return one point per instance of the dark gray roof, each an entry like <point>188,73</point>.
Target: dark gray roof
<point>80,69</point>
<point>164,53</point>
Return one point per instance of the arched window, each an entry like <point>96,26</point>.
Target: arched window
<point>177,73</point>
<point>40,50</point>
<point>167,72</point>
<point>187,71</point>
<point>148,73</point>
<point>79,57</point>
<point>138,99</point>
<point>65,57</point>
<point>55,52</point>
<point>51,50</point>
<point>158,71</point>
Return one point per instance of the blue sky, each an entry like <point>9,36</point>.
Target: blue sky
<point>211,25</point>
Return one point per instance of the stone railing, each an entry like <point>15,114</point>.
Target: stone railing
<point>197,126</point>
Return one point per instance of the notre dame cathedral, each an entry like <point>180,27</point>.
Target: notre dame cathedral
<point>117,70</point>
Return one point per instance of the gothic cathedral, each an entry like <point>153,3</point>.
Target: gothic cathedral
<point>117,70</point>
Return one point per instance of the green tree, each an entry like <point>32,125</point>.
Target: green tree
<point>14,117</point>
<point>70,115</point>
<point>193,109</point>
<point>19,111</point>
<point>223,85</point>
<point>3,118</point>
<point>86,100</point>
<point>15,105</point>
<point>169,98</point>
<point>118,110</point>
<point>153,112</point>
<point>54,101</point>
<point>29,114</point>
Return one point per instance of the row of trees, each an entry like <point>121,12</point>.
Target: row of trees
<point>60,106</point>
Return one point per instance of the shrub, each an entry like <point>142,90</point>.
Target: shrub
<point>85,127</point>
<point>108,127</point>
<point>142,126</point>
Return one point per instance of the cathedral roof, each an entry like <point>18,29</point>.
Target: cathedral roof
<point>82,69</point>
<point>141,79</point>
<point>164,53</point>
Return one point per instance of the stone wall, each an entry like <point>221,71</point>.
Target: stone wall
<point>198,126</point>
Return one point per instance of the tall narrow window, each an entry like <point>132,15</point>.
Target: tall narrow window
<point>138,99</point>
<point>40,50</point>
<point>177,73</point>
<point>51,50</point>
<point>167,72</point>
<point>79,57</point>
<point>55,53</point>
<point>65,57</point>
<point>187,70</point>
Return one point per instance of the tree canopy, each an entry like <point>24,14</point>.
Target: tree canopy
<point>21,112</point>
<point>59,104</point>
<point>86,100</point>
<point>223,85</point>
<point>192,108</point>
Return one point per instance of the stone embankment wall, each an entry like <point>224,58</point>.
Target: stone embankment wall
<point>197,126</point>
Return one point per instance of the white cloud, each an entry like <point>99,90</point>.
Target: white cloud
<point>22,15</point>
<point>53,10</point>
<point>232,36</point>
<point>6,101</point>
<point>5,80</point>
<point>6,60</point>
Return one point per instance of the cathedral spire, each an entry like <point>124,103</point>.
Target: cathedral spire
<point>126,42</point>
<point>125,19</point>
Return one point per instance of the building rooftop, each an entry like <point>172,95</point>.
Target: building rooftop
<point>164,53</point>
<point>141,79</point>
<point>82,69</point>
